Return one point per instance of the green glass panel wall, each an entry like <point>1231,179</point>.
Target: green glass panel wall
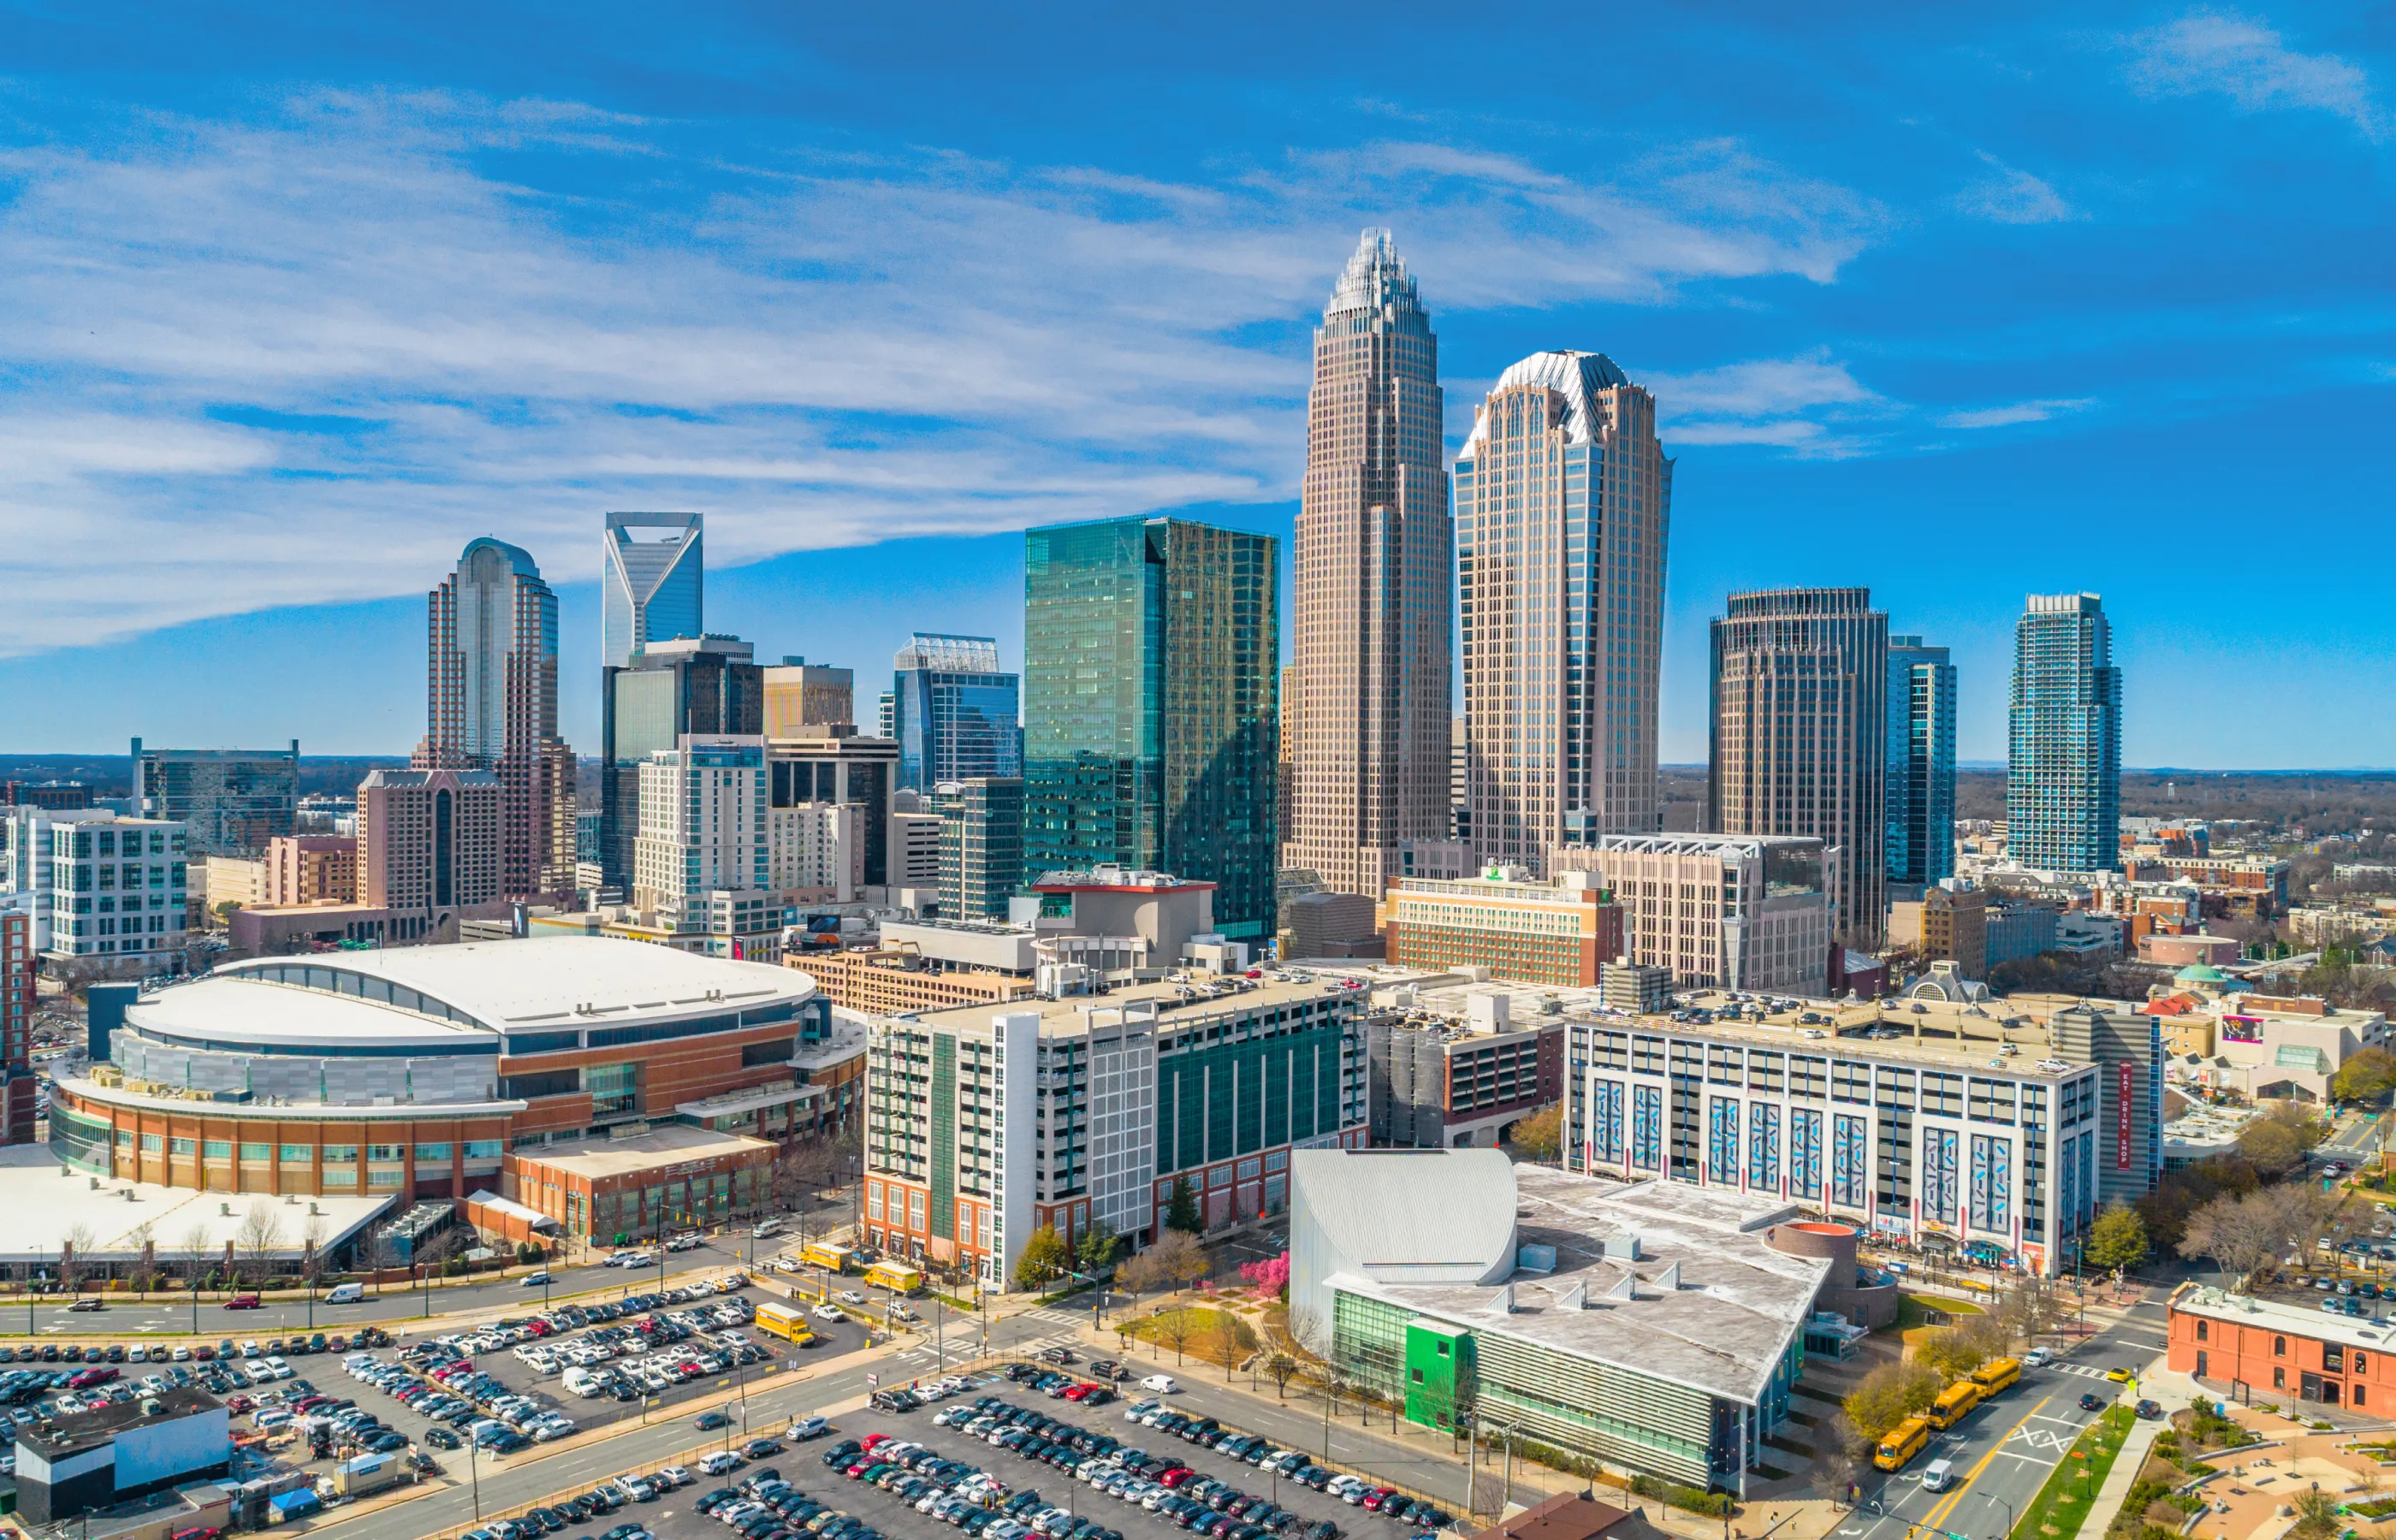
<point>944,1135</point>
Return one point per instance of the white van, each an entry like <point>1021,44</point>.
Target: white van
<point>346,1293</point>
<point>768,1227</point>
<point>1938,1475</point>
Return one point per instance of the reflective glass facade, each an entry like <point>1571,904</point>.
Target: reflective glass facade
<point>1150,706</point>
<point>1920,761</point>
<point>2063,787</point>
<point>954,713</point>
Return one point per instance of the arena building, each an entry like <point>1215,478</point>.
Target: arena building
<point>414,1073</point>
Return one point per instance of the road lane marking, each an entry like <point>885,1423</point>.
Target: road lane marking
<point>1937,1515</point>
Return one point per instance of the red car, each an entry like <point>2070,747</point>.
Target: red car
<point>1075,1393</point>
<point>239,1405</point>
<point>242,1302</point>
<point>1175,1476</point>
<point>1374,1499</point>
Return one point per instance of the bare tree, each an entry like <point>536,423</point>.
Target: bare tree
<point>75,1256</point>
<point>1176,1328</point>
<point>1838,1457</point>
<point>142,1239</point>
<point>1281,1368</point>
<point>1180,1259</point>
<point>312,1240</point>
<point>1229,1342</point>
<point>258,1239</point>
<point>1302,1327</point>
<point>1140,1274</point>
<point>197,1249</point>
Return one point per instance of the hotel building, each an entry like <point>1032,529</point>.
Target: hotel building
<point>1737,911</point>
<point>985,1124</point>
<point>1538,933</point>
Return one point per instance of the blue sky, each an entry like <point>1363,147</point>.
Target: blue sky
<point>299,300</point>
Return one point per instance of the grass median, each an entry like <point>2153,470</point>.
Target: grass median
<point>2062,1504</point>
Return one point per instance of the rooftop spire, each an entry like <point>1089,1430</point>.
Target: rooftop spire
<point>1376,278</point>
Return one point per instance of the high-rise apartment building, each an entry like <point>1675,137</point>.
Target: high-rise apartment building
<point>701,859</point>
<point>492,704</point>
<point>230,801</point>
<point>839,769</point>
<point>19,1089</point>
<point>1150,652</point>
<point>430,844</point>
<point>1563,510</point>
<point>1920,777</point>
<point>1373,563</point>
<point>803,698</point>
<point>706,686</point>
<point>310,869</point>
<point>953,710</point>
<point>1798,732</point>
<point>982,846</point>
<point>2063,783</point>
<point>652,590</point>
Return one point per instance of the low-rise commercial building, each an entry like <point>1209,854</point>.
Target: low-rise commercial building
<point>1514,925</point>
<point>1653,1327</point>
<point>984,1124</point>
<point>1949,922</point>
<point>2224,1037</point>
<point>608,1192</point>
<point>2265,1347</point>
<point>80,1461</point>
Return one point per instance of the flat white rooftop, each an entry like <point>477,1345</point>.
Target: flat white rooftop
<point>45,1210</point>
<point>671,1145</point>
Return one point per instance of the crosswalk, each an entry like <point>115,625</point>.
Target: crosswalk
<point>2086,1371</point>
<point>1057,1318</point>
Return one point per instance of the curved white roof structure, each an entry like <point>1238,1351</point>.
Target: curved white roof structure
<point>1578,376</point>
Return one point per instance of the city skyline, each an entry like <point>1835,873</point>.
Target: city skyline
<point>294,327</point>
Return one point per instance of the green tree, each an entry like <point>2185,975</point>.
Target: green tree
<point>2316,1517</point>
<point>1182,1212</point>
<point>2365,1077</point>
<point>2277,1143</point>
<point>1540,1137</point>
<point>1097,1247</point>
<point>1888,1395</point>
<point>2118,1239</point>
<point>1045,1257</point>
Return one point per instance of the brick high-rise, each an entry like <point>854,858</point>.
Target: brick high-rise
<point>1374,546</point>
<point>17,1087</point>
<point>492,704</point>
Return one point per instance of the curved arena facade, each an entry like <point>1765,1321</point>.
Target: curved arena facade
<point>413,1072</point>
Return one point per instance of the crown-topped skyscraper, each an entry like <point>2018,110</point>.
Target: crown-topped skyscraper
<point>1374,579</point>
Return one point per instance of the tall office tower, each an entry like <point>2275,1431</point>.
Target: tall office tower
<point>1149,660</point>
<point>430,841</point>
<point>803,697</point>
<point>232,801</point>
<point>1374,585</point>
<point>492,705</point>
<point>835,768</point>
<point>1921,763</point>
<point>982,846</point>
<point>705,685</point>
<point>701,859</point>
<point>1798,727</point>
<point>953,711</point>
<point>1562,507</point>
<point>650,591</point>
<point>2063,782</point>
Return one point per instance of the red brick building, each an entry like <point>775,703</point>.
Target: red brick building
<point>17,1087</point>
<point>2276,1350</point>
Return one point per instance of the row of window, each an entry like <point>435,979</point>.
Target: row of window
<point>300,1154</point>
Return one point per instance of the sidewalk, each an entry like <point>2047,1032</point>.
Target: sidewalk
<point>2123,1475</point>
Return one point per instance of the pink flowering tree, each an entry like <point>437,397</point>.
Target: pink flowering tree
<point>1268,1278</point>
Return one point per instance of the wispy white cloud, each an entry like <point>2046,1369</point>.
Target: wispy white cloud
<point>2021,411</point>
<point>2247,62</point>
<point>1814,405</point>
<point>2009,195</point>
<point>304,358</point>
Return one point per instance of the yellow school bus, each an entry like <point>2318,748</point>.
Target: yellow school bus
<point>787,1322</point>
<point>1995,1375</point>
<point>823,1254</point>
<point>1901,1443</point>
<point>1953,1404</point>
<point>897,1276</point>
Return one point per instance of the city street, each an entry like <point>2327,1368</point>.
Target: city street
<point>2002,1452</point>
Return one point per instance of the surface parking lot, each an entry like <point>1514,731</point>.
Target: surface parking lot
<point>647,1355</point>
<point>1057,1471</point>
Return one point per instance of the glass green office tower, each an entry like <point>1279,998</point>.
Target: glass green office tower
<point>1151,711</point>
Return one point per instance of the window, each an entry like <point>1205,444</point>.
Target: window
<point>2279,1379</point>
<point>217,1150</point>
<point>2200,1331</point>
<point>386,1153</point>
<point>150,1144</point>
<point>179,1146</point>
<point>385,1177</point>
<point>2362,1360</point>
<point>432,1154</point>
<point>2279,1346</point>
<point>341,1154</point>
<point>297,1154</point>
<point>482,1150</point>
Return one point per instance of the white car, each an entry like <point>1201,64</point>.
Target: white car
<point>827,1312</point>
<point>1162,1384</point>
<point>2035,1358</point>
<point>850,1296</point>
<point>677,1475</point>
<point>719,1462</point>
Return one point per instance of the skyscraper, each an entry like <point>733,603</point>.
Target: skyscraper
<point>1149,650</point>
<point>492,704</point>
<point>982,846</point>
<point>1374,544</point>
<point>706,686</point>
<point>1921,763</point>
<point>1563,505</point>
<point>2063,786</point>
<point>803,697</point>
<point>701,861</point>
<point>953,711</point>
<point>429,843</point>
<point>230,801</point>
<point>1798,732</point>
<point>650,591</point>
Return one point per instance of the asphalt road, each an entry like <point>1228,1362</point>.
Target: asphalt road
<point>2003,1452</point>
<point>393,1305</point>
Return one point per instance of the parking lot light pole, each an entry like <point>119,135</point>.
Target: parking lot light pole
<point>474,1474</point>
